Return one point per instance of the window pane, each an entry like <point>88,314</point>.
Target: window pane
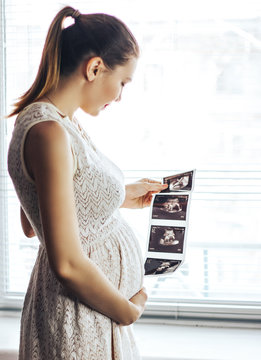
<point>194,103</point>
<point>21,250</point>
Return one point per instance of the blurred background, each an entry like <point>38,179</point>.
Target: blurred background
<point>194,103</point>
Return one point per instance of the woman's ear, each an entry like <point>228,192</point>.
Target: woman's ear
<point>93,68</point>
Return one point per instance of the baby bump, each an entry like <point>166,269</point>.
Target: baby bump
<point>119,257</point>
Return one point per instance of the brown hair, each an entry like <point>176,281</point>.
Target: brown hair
<point>65,48</point>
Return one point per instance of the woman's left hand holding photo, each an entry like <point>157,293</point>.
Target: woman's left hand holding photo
<point>139,194</point>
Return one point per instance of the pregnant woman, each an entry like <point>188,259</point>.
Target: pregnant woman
<point>86,286</point>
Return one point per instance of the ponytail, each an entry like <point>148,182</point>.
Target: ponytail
<point>48,74</point>
<point>65,48</point>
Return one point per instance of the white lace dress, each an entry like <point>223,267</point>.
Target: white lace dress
<point>55,324</point>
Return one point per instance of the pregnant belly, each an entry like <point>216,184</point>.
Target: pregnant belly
<point>120,258</point>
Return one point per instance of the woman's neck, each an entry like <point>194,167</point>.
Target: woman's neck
<point>66,97</point>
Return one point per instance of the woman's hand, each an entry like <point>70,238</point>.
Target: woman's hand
<point>139,300</point>
<point>26,226</point>
<point>139,194</point>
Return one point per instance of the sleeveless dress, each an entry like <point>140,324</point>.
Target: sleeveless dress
<point>55,324</point>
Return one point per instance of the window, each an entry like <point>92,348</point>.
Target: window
<point>194,103</point>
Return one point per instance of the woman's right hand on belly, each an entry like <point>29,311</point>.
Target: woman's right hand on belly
<point>139,299</point>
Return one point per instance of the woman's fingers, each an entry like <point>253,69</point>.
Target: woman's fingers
<point>139,194</point>
<point>150,181</point>
<point>140,297</point>
<point>152,188</point>
<point>155,187</point>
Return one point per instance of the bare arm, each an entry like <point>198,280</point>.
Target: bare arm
<point>26,226</point>
<point>49,161</point>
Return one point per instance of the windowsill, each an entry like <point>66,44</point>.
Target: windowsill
<point>171,342</point>
<point>180,342</point>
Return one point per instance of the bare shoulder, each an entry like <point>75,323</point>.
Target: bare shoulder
<point>47,131</point>
<point>47,143</point>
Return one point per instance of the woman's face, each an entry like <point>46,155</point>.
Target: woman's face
<point>108,87</point>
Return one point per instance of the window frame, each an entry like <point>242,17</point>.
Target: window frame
<point>3,147</point>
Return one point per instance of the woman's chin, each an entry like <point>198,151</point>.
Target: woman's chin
<point>92,112</point>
